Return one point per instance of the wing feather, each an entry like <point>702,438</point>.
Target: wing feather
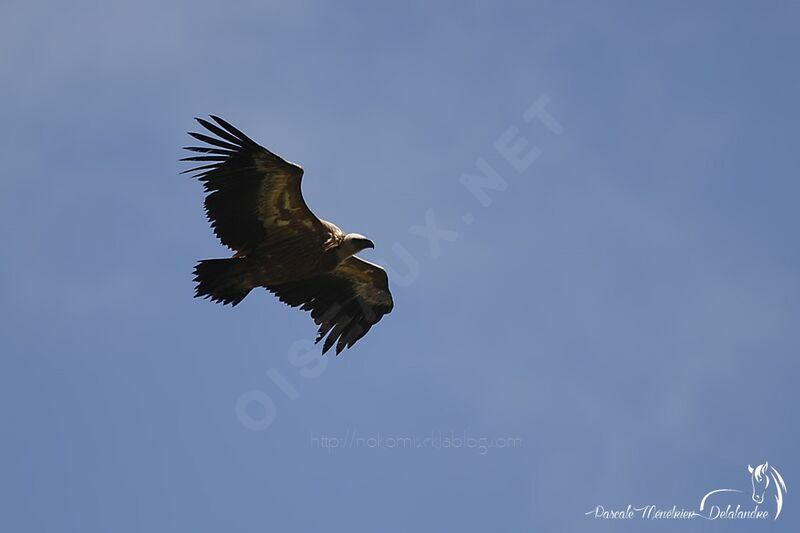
<point>253,195</point>
<point>345,303</point>
<point>213,141</point>
<point>213,128</point>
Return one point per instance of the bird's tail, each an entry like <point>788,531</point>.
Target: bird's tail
<point>221,280</point>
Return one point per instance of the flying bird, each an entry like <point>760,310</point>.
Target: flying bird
<point>256,208</point>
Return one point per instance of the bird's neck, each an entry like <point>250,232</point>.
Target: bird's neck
<point>346,249</point>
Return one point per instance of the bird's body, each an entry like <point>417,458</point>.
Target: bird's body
<point>273,264</point>
<point>256,208</point>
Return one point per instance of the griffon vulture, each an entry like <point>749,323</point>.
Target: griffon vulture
<point>256,208</point>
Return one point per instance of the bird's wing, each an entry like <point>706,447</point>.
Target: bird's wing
<point>254,196</point>
<point>345,302</point>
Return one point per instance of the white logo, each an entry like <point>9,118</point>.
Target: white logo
<point>765,480</point>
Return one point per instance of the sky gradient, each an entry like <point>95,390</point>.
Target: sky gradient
<point>619,307</point>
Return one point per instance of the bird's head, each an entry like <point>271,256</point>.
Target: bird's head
<point>357,242</point>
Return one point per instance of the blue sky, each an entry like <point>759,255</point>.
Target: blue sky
<point>625,309</point>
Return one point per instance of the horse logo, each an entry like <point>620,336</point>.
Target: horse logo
<point>764,478</point>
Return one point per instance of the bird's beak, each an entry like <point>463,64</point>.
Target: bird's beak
<point>370,244</point>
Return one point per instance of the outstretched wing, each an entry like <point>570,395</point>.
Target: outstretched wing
<point>345,302</point>
<point>254,196</point>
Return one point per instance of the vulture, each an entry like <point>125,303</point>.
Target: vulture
<point>256,208</point>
